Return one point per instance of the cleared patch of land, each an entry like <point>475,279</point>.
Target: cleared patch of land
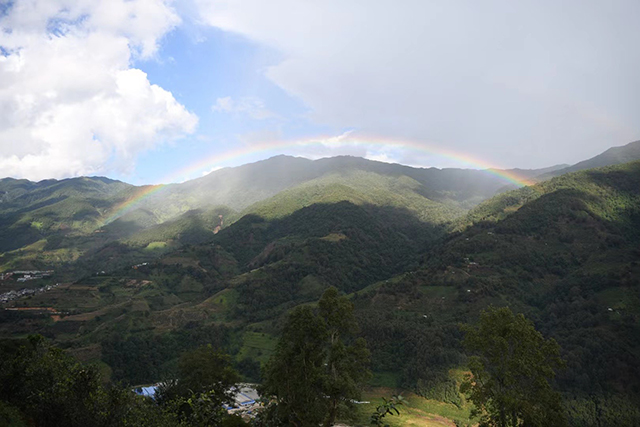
<point>417,411</point>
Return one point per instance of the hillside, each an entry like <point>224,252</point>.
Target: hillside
<point>232,288</point>
<point>565,253</point>
<point>241,187</point>
<point>608,191</point>
<point>51,223</point>
<point>29,211</point>
<point>613,156</point>
<point>359,187</point>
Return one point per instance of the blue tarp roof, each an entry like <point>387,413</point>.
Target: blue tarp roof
<point>149,391</point>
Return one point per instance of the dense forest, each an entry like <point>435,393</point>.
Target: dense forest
<point>562,252</point>
<point>315,377</point>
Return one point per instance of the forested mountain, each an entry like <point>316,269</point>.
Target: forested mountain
<point>53,222</point>
<point>564,252</point>
<point>240,187</point>
<point>357,186</point>
<point>400,242</point>
<point>29,210</point>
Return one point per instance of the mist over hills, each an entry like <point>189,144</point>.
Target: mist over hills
<point>223,259</point>
<point>69,213</point>
<point>47,219</point>
<point>532,173</point>
<point>240,187</point>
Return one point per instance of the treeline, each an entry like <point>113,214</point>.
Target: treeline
<point>147,357</point>
<point>45,387</point>
<point>314,377</point>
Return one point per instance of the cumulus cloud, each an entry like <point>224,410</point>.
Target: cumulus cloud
<point>519,83</point>
<point>252,106</point>
<point>70,101</point>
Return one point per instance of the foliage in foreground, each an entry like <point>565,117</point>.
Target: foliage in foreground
<point>41,385</point>
<point>510,377</point>
<point>318,367</point>
<point>204,384</point>
<point>388,407</point>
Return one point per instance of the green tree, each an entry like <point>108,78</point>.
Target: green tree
<point>294,374</point>
<point>318,365</point>
<point>50,388</point>
<point>205,383</point>
<point>345,361</point>
<point>206,369</point>
<point>510,372</point>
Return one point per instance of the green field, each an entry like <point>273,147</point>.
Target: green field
<point>418,411</point>
<point>257,345</point>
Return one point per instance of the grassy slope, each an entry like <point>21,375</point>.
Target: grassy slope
<point>359,187</point>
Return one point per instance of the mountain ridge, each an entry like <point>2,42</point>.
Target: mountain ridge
<point>612,156</point>
<point>57,214</point>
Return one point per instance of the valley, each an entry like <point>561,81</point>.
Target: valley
<point>417,252</point>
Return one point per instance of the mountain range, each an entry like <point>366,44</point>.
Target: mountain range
<point>146,272</point>
<point>42,220</point>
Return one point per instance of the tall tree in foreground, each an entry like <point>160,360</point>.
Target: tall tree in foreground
<point>205,383</point>
<point>511,369</point>
<point>318,366</point>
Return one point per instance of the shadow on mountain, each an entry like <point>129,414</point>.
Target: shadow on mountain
<point>567,259</point>
<point>294,259</point>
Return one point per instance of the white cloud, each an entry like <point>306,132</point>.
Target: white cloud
<point>70,102</point>
<point>252,106</point>
<point>381,157</point>
<point>519,83</point>
<point>208,171</point>
<point>338,141</point>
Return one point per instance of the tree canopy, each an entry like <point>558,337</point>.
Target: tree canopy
<point>510,371</point>
<point>318,366</point>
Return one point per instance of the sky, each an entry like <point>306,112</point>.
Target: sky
<point>158,91</point>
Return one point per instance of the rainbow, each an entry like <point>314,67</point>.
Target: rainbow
<point>259,151</point>
<point>130,203</point>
